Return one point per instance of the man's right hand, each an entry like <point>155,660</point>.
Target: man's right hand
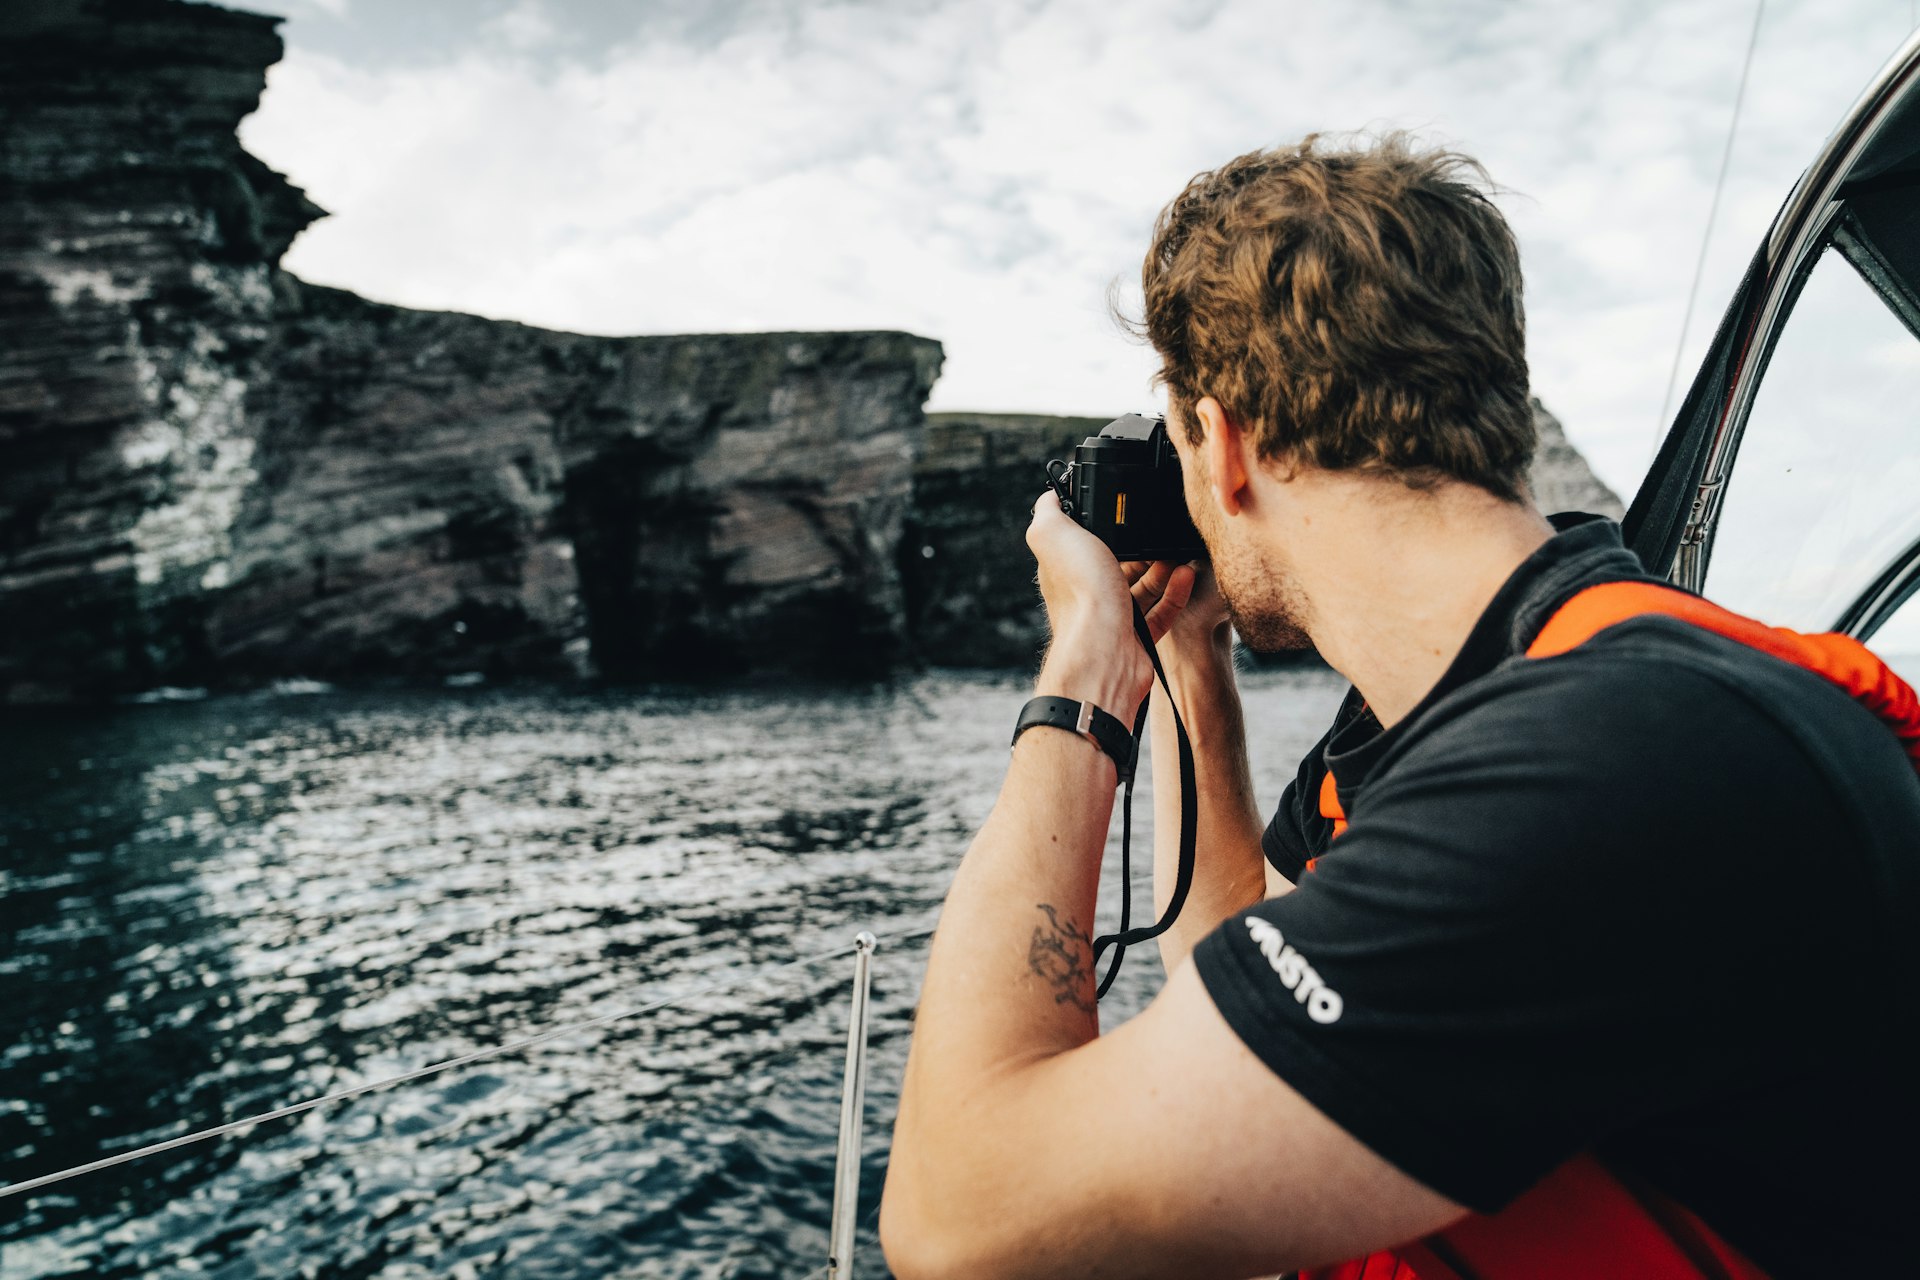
<point>1183,605</point>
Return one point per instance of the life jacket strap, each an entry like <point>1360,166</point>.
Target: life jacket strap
<point>1840,659</point>
<point>1583,1222</point>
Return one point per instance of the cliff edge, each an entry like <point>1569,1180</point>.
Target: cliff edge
<point>212,473</point>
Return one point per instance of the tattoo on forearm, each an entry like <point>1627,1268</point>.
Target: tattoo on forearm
<point>1063,955</point>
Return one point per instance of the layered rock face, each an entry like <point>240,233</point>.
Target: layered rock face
<point>442,493</point>
<point>210,472</point>
<point>136,296</point>
<point>1561,478</point>
<point>214,474</point>
<point>969,575</point>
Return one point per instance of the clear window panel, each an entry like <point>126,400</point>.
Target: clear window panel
<point>1898,640</point>
<point>1825,490</point>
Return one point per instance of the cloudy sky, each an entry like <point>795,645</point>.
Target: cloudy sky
<point>981,171</point>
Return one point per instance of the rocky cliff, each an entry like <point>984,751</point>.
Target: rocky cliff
<point>969,576</point>
<point>211,472</point>
<point>441,493</point>
<point>1561,478</point>
<point>970,588</point>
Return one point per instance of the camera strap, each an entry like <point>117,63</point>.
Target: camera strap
<point>1189,826</point>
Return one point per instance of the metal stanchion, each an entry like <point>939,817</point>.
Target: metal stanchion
<point>853,1098</point>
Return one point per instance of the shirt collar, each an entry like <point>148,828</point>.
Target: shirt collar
<point>1584,550</point>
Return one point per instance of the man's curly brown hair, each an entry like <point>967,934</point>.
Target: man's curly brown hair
<point>1353,308</point>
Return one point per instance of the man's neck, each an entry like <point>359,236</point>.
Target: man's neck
<point>1394,579</point>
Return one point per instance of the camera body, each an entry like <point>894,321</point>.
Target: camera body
<point>1123,486</point>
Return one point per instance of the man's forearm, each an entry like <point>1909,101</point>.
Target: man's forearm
<point>1010,980</point>
<point>1012,967</point>
<point>1229,873</point>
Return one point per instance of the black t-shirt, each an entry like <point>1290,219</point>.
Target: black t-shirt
<point>1648,899</point>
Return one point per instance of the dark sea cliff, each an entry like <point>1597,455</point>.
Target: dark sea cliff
<point>216,475</point>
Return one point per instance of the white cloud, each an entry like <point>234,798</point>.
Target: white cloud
<point>333,8</point>
<point>980,171</point>
<point>524,27</point>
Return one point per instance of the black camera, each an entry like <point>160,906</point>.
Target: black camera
<point>1123,486</point>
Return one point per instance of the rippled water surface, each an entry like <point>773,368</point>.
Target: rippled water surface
<point>211,909</point>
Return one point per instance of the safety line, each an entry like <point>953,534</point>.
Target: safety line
<point>235,1126</point>
<point>1713,212</point>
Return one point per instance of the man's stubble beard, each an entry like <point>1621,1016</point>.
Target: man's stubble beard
<point>1262,601</point>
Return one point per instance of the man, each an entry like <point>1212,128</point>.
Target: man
<point>1617,904</point>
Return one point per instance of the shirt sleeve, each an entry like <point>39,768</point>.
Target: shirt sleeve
<point>1297,832</point>
<point>1286,841</point>
<point>1547,923</point>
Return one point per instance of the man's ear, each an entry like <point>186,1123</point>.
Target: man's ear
<point>1224,447</point>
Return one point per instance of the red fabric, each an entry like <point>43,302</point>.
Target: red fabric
<point>1579,1223</point>
<point>1582,1222</point>
<point>1376,1266</point>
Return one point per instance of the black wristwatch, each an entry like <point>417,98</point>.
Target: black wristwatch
<point>1085,719</point>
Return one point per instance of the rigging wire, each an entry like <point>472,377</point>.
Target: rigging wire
<point>1713,211</point>
<point>419,1073</point>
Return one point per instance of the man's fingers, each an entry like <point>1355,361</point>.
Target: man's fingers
<point>1047,517</point>
<point>1152,583</point>
<point>1178,590</point>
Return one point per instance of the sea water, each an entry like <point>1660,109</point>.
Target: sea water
<point>212,908</point>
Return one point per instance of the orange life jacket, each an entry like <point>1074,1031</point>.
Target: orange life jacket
<point>1583,1222</point>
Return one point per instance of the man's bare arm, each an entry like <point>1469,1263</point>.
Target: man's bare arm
<point>1026,1144</point>
<point>1029,1146</point>
<point>1163,1149</point>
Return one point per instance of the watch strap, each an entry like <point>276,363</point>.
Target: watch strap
<point>1085,719</point>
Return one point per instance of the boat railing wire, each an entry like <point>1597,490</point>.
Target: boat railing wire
<point>1713,213</point>
<point>730,983</point>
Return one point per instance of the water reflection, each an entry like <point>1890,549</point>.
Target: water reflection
<point>216,908</point>
<point>119,987</point>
